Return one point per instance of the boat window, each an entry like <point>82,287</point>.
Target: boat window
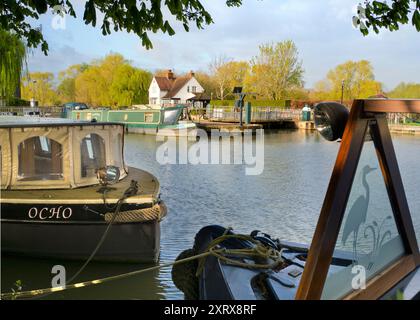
<point>92,155</point>
<point>40,158</point>
<point>171,116</point>
<point>368,241</point>
<point>148,117</point>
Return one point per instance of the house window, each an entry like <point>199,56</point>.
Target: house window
<point>188,89</point>
<point>40,158</point>
<point>194,89</point>
<point>92,151</point>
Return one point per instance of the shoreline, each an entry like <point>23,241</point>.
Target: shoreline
<point>405,129</point>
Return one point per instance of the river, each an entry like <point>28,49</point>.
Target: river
<point>283,201</point>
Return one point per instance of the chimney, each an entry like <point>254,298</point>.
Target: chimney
<point>191,74</point>
<point>170,74</point>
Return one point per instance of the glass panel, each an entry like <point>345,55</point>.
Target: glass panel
<point>171,116</point>
<point>92,155</point>
<point>40,158</point>
<point>368,240</point>
<point>148,117</point>
<point>117,151</point>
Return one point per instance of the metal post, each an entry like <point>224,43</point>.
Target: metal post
<point>248,113</point>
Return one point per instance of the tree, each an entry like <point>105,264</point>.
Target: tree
<point>139,17</point>
<point>67,87</point>
<point>406,91</point>
<point>39,86</point>
<point>358,79</point>
<point>12,62</point>
<point>130,86</point>
<point>227,74</point>
<point>379,14</point>
<point>113,82</point>
<point>207,82</point>
<point>276,71</point>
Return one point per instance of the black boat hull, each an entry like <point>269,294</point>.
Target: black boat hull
<point>137,242</point>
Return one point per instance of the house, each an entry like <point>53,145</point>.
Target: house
<point>169,90</point>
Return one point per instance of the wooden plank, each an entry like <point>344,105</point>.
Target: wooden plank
<point>385,280</point>
<point>333,209</point>
<point>391,105</point>
<point>393,182</point>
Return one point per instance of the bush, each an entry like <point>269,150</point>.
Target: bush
<point>16,102</point>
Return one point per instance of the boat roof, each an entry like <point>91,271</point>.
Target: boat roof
<point>21,121</point>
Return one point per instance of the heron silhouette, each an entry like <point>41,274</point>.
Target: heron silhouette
<point>358,213</point>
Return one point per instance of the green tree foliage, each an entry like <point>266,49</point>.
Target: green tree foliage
<point>207,82</point>
<point>12,62</point>
<point>359,82</point>
<point>139,17</point>
<point>39,86</point>
<point>276,71</point>
<point>405,91</point>
<point>390,15</point>
<point>227,74</point>
<point>67,87</point>
<point>112,82</point>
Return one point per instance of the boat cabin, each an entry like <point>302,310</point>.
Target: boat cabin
<point>42,153</point>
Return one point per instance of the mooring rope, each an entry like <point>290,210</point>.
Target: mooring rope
<point>258,251</point>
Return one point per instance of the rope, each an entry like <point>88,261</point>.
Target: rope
<point>131,191</point>
<point>259,251</point>
<point>157,212</point>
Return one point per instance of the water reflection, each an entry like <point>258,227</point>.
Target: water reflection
<point>284,201</point>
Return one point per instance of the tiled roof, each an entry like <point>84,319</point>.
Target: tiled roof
<point>177,85</point>
<point>164,83</point>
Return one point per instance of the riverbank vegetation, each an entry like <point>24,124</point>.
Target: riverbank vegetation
<point>12,65</point>
<point>111,81</point>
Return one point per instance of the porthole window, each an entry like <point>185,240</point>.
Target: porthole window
<point>92,155</point>
<point>40,158</point>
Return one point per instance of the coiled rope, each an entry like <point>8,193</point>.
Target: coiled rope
<point>259,250</point>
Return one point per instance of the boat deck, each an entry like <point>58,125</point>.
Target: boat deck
<point>148,192</point>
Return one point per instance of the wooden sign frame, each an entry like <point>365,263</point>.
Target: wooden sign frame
<point>364,113</point>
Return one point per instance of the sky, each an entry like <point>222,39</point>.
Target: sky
<point>321,29</point>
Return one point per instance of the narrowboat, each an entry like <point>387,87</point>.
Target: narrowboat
<point>363,247</point>
<point>66,192</point>
<point>143,119</point>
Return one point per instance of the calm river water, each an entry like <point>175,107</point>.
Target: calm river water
<point>283,201</point>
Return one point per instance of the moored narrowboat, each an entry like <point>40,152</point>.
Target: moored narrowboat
<point>143,119</point>
<point>65,187</point>
<point>363,247</point>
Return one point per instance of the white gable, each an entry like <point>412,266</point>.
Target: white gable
<point>188,90</point>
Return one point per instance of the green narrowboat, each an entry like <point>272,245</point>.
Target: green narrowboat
<point>144,120</point>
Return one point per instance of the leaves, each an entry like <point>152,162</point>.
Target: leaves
<point>416,19</point>
<point>12,63</point>
<point>356,76</point>
<point>140,17</point>
<point>379,14</point>
<point>276,72</point>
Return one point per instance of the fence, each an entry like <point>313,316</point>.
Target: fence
<point>55,112</point>
<point>258,114</point>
